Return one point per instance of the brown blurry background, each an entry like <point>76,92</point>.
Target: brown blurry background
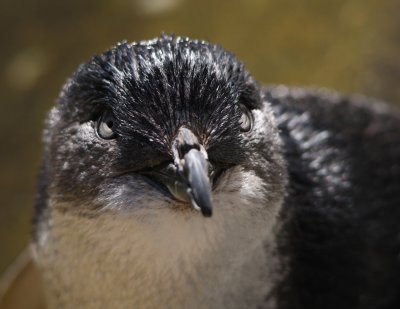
<point>349,45</point>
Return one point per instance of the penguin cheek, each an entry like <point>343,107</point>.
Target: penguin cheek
<point>131,193</point>
<point>80,158</point>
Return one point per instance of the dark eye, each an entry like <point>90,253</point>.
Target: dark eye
<point>106,125</point>
<point>246,120</point>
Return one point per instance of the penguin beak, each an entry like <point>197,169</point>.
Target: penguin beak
<point>187,178</point>
<point>193,169</point>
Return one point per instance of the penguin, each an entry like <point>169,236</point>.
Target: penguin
<point>172,179</point>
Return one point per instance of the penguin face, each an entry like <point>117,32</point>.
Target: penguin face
<point>162,124</point>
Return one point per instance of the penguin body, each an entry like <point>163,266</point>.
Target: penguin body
<point>172,179</point>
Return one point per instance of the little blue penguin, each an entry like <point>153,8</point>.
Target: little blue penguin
<point>172,179</point>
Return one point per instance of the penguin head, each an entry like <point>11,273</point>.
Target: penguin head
<point>172,125</point>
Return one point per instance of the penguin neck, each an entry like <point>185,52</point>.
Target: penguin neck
<point>178,260</point>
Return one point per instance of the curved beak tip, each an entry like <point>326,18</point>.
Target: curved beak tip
<point>205,208</point>
<point>207,212</point>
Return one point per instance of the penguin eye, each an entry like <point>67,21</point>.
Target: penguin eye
<point>246,120</point>
<point>105,125</point>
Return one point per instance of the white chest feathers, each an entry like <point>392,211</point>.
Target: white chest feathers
<point>169,259</point>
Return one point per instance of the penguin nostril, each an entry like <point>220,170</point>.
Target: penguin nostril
<point>184,141</point>
<point>185,148</point>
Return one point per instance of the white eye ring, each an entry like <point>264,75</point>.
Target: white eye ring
<point>246,119</point>
<point>105,125</point>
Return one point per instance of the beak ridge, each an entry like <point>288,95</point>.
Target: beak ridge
<point>195,171</point>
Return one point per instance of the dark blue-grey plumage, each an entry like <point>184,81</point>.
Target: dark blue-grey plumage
<point>341,227</point>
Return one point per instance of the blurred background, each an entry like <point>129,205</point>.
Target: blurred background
<point>349,45</point>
